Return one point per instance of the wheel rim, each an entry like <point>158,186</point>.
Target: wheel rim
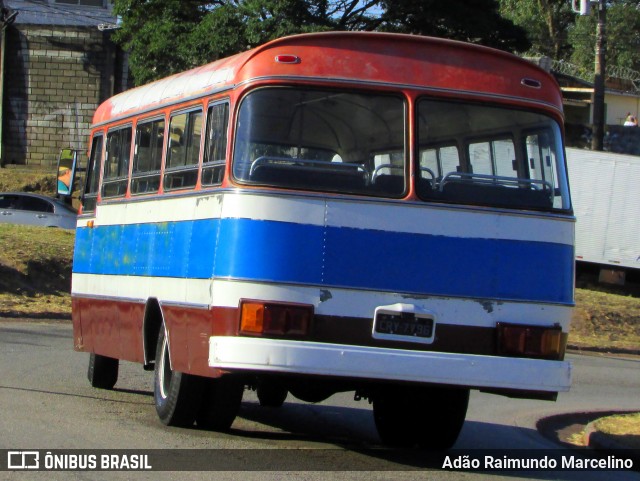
<point>164,373</point>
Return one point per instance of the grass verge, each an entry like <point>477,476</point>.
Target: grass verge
<point>609,321</point>
<point>623,428</point>
<point>41,180</point>
<point>619,430</point>
<point>35,271</point>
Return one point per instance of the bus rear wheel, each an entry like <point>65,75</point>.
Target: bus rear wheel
<point>429,418</point>
<point>220,403</point>
<point>177,395</point>
<point>103,371</point>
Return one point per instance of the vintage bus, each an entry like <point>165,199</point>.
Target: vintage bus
<point>378,213</point>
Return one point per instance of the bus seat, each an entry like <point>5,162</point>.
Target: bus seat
<point>495,194</point>
<point>425,188</point>
<point>303,177</point>
<point>389,184</point>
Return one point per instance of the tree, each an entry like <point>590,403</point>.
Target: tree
<point>220,33</point>
<point>556,31</point>
<point>623,37</point>
<point>268,19</point>
<point>546,22</point>
<point>481,22</point>
<point>167,36</point>
<point>156,34</point>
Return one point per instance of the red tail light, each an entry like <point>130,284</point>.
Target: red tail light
<point>530,341</point>
<point>275,318</point>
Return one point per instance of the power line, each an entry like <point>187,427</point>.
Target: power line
<point>62,11</point>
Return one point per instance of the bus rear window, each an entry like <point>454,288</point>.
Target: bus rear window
<point>322,141</point>
<point>494,156</point>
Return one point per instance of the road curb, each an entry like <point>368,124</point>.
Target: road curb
<point>599,441</point>
<point>592,350</point>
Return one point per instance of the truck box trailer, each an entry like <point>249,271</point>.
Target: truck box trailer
<point>605,190</point>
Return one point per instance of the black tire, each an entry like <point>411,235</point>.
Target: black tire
<point>220,403</point>
<point>177,395</point>
<point>429,418</point>
<point>271,394</point>
<point>103,371</point>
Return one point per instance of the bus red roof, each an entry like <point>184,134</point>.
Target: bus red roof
<point>409,61</point>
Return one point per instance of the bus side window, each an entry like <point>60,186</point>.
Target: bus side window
<point>435,163</point>
<point>185,134</point>
<point>215,149</point>
<point>116,166</point>
<point>493,157</point>
<point>542,161</point>
<point>90,196</point>
<point>147,159</point>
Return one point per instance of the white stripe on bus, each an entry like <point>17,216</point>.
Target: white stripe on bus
<point>204,293</point>
<point>407,218</point>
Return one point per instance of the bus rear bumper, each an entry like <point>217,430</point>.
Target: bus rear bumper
<point>336,360</point>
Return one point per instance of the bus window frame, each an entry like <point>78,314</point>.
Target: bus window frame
<point>167,170</point>
<point>403,96</point>
<point>91,167</point>
<point>133,176</point>
<point>126,178</point>
<point>517,135</point>
<point>224,163</point>
<point>556,182</point>
<point>489,139</point>
<point>437,147</point>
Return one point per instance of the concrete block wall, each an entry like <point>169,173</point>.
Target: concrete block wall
<point>55,77</point>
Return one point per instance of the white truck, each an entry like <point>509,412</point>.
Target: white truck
<point>605,190</point>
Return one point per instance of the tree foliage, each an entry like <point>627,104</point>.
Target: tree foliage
<point>622,37</point>
<point>167,36</point>
<point>480,22</point>
<point>547,23</point>
<point>556,31</point>
<point>157,33</point>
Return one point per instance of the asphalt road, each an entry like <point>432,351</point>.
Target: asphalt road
<point>46,403</point>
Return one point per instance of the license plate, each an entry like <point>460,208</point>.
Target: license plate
<point>404,324</point>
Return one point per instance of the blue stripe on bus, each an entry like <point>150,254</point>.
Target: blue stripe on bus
<point>333,256</point>
<point>168,249</point>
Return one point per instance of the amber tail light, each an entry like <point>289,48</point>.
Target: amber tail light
<point>258,318</point>
<point>530,341</point>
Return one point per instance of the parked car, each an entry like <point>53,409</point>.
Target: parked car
<point>35,209</point>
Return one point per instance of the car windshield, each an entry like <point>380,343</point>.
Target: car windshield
<point>322,140</point>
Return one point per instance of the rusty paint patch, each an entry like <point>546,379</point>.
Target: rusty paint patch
<point>325,295</point>
<point>487,305</point>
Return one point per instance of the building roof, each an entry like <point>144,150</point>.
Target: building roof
<point>48,12</point>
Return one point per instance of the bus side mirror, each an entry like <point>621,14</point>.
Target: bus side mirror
<point>67,162</point>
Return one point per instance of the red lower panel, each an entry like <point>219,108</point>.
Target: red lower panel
<point>114,328</point>
<point>80,341</point>
<point>190,330</point>
<point>108,327</point>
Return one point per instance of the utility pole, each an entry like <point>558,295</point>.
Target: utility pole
<point>597,139</point>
